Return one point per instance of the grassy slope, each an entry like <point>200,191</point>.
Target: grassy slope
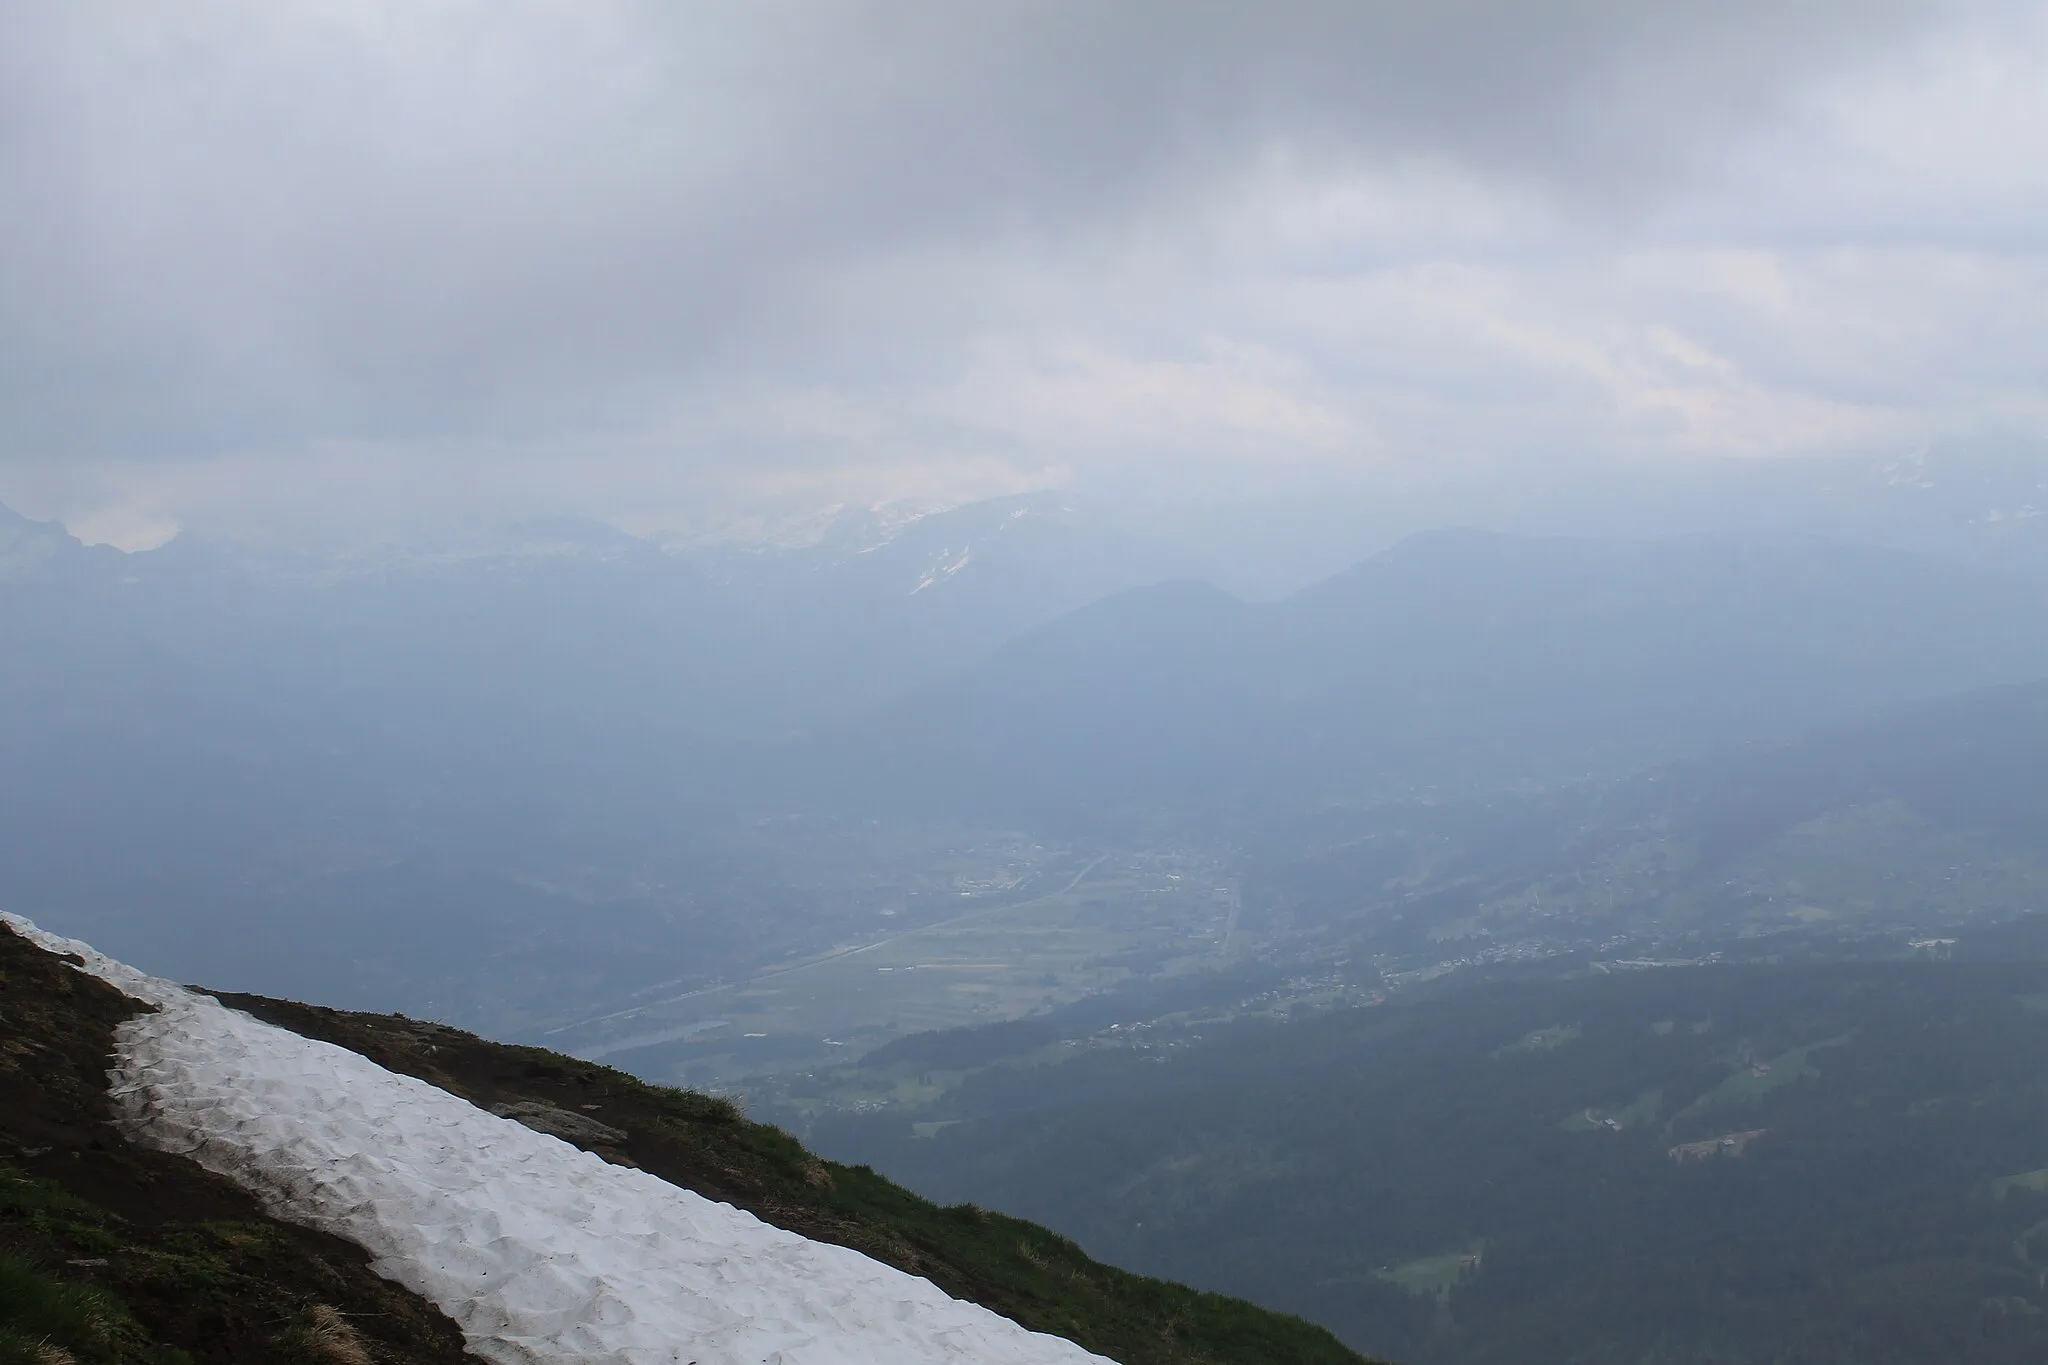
<point>1016,1268</point>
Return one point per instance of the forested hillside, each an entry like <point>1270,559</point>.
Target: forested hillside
<point>1718,1165</point>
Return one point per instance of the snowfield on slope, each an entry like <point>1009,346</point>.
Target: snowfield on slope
<point>539,1251</point>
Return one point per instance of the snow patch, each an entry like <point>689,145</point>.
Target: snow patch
<point>539,1251</point>
<point>942,570</point>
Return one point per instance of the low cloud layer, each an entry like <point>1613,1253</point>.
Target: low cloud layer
<point>641,260</point>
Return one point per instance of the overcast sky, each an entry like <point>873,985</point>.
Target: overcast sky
<point>644,260</point>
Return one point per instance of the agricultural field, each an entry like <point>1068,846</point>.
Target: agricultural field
<point>1016,941</point>
<point>1435,1275</point>
<point>1753,1079</point>
<point>1644,1108</point>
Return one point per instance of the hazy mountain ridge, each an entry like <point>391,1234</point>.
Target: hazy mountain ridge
<point>39,551</point>
<point>1971,760</point>
<point>1980,502</point>
<point>576,616</point>
<point>1454,659</point>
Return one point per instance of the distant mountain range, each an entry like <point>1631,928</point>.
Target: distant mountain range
<point>574,620</point>
<point>1982,502</point>
<point>1454,660</point>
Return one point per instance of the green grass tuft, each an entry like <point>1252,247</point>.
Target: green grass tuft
<point>44,1320</point>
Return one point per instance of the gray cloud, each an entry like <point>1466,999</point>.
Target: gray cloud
<point>628,246</point>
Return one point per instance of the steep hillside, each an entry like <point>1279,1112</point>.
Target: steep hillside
<point>90,1209</point>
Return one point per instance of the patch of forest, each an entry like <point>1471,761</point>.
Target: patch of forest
<point>1796,1163</point>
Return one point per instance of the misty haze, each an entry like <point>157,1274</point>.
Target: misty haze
<point>873,682</point>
